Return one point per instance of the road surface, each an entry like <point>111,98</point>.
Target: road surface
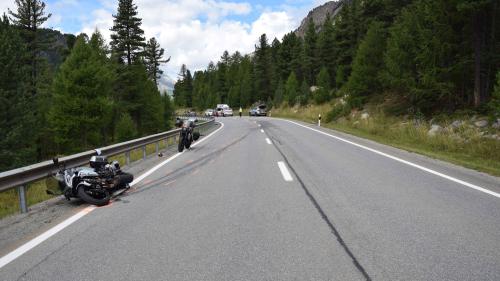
<point>267,199</point>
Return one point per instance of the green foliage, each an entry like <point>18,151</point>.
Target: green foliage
<point>310,52</point>
<point>367,66</point>
<point>494,104</point>
<point>127,39</point>
<point>168,111</point>
<point>262,70</point>
<point>326,49</point>
<point>279,94</point>
<point>16,119</point>
<point>322,94</point>
<point>125,128</point>
<point>81,99</point>
<point>183,89</point>
<point>291,89</point>
<point>338,111</point>
<point>153,58</point>
<point>305,93</point>
<point>420,56</point>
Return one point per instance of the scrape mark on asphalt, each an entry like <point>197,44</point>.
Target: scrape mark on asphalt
<point>325,218</point>
<point>187,169</point>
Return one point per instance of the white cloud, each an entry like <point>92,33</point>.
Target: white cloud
<point>102,20</point>
<point>195,32</point>
<point>6,4</point>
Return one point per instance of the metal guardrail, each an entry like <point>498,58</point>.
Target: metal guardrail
<point>19,178</point>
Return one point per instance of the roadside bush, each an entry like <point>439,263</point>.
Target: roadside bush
<point>125,128</point>
<point>494,104</point>
<point>337,111</point>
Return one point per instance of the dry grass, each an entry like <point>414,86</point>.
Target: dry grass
<point>463,146</point>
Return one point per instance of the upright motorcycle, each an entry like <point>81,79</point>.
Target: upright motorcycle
<point>95,184</point>
<point>187,134</point>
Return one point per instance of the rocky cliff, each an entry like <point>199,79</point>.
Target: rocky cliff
<point>318,16</point>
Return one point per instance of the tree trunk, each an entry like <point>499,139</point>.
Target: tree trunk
<point>491,52</point>
<point>477,30</point>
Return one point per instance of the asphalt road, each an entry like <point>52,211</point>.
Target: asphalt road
<point>331,210</point>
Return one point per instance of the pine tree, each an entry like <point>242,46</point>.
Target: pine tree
<point>368,63</point>
<point>310,52</point>
<point>151,114</point>
<point>279,93</point>
<point>346,36</point>
<point>127,39</point>
<point>494,104</point>
<point>246,96</point>
<point>304,93</point>
<point>484,24</point>
<point>420,55</point>
<point>81,101</point>
<point>326,49</point>
<point>16,122</point>
<point>29,16</point>
<point>262,69</point>
<point>168,111</point>
<point>291,89</point>
<point>125,128</point>
<point>153,58</point>
<point>179,88</point>
<point>322,94</point>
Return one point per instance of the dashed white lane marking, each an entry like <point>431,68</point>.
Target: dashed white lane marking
<point>464,183</point>
<point>62,225</point>
<point>262,131</point>
<point>284,171</point>
<point>268,141</point>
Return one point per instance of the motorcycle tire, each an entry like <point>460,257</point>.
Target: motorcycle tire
<point>188,144</point>
<point>196,136</point>
<point>181,145</point>
<point>93,200</point>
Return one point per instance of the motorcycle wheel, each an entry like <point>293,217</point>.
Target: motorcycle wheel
<point>101,200</point>
<point>181,145</point>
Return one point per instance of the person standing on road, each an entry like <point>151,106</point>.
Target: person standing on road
<point>241,111</point>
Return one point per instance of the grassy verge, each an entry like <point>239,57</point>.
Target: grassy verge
<point>463,146</point>
<point>36,193</point>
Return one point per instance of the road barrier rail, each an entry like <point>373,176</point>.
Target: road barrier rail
<point>20,178</point>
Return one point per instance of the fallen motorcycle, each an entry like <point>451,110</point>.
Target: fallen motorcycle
<point>187,134</point>
<point>95,184</point>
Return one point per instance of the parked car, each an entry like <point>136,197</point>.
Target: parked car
<point>190,113</point>
<point>219,112</point>
<point>258,110</point>
<point>227,112</point>
<point>223,106</point>
<point>209,112</point>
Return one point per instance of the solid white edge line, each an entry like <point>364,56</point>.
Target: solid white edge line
<point>268,141</point>
<point>42,237</point>
<point>470,185</point>
<point>284,171</point>
<point>62,225</point>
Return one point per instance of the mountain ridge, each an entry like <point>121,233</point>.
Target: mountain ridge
<point>318,16</point>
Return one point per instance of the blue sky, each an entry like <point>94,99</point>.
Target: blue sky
<point>193,32</point>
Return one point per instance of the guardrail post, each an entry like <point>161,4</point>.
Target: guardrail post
<point>157,147</point>
<point>127,158</point>
<point>144,154</point>
<point>23,202</point>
